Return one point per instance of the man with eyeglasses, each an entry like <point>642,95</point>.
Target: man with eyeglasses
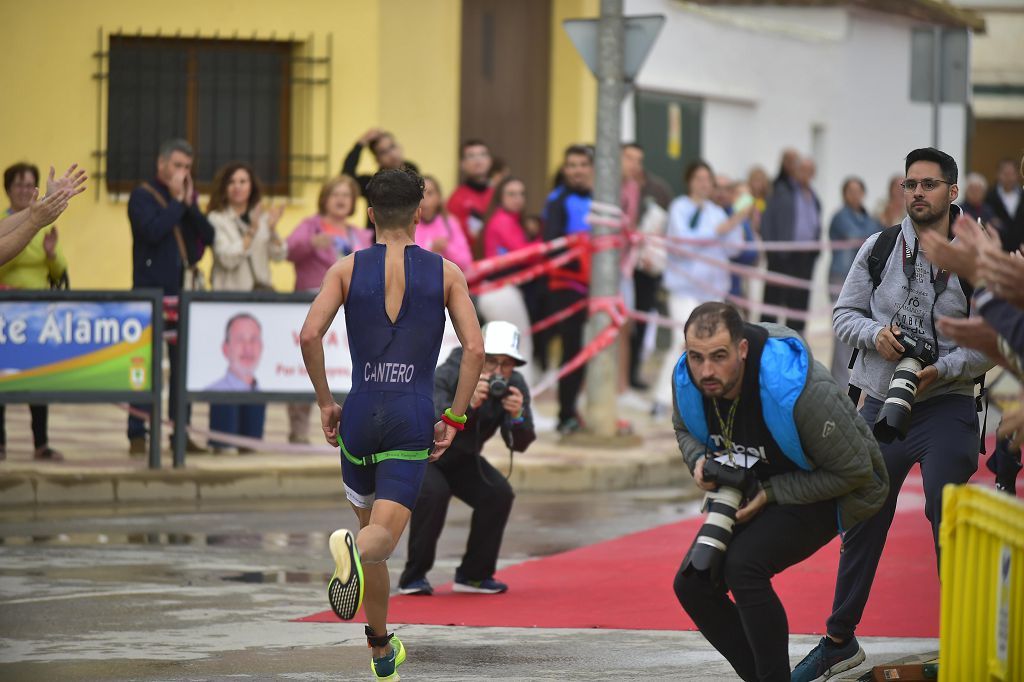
<point>501,401</point>
<point>903,293</point>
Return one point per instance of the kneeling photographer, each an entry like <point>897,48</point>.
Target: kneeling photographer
<point>919,385</point>
<point>780,448</point>
<point>501,401</point>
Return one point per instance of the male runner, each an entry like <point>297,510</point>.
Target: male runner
<point>395,295</point>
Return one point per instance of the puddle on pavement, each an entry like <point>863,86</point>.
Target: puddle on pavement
<point>279,577</point>
<point>262,541</point>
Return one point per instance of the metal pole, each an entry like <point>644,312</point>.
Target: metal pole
<point>936,83</point>
<point>602,371</point>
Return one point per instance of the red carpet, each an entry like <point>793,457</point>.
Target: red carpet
<point>627,583</point>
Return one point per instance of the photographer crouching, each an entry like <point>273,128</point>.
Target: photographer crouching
<point>781,450</point>
<point>501,401</point>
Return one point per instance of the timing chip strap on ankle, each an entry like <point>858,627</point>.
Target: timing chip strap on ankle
<point>373,640</point>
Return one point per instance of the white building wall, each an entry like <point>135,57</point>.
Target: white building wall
<point>770,76</point>
<point>831,82</point>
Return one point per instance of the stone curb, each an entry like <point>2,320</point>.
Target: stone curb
<point>547,466</point>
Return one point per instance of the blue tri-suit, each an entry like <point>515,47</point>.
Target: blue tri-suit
<point>387,422</point>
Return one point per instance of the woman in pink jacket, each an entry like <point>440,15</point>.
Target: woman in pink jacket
<point>314,246</point>
<point>503,233</point>
<point>438,231</point>
<point>320,240</point>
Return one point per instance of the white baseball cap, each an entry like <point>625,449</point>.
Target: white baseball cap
<point>502,338</point>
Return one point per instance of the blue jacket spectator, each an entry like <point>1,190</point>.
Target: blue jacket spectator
<point>156,257</point>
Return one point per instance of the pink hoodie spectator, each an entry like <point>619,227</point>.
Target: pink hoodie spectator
<point>504,233</point>
<point>311,264</point>
<point>447,228</point>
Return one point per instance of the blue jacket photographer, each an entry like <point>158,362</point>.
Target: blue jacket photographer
<point>919,384</point>
<point>780,448</point>
<point>501,402</point>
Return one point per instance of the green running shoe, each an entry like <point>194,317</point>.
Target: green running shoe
<point>345,591</point>
<point>386,668</point>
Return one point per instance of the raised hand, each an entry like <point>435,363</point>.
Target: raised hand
<point>1004,275</point>
<point>177,186</point>
<point>275,214</point>
<point>189,190</point>
<point>971,332</point>
<point>959,256</point>
<point>44,212</point>
<point>74,179</point>
<point>1012,427</point>
<point>369,136</point>
<point>256,214</point>
<point>50,243</point>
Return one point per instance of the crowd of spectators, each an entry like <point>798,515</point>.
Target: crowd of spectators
<point>486,215</point>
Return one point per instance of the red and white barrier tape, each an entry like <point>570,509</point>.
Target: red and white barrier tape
<point>488,266</point>
<point>528,274</point>
<point>563,314</point>
<point>599,343</point>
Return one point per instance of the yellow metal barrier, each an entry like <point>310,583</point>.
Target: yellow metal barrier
<point>981,635</point>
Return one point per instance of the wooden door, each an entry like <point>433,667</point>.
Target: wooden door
<point>505,71</point>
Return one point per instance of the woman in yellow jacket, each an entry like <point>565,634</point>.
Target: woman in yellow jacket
<point>39,263</point>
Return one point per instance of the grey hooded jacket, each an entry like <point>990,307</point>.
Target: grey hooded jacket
<point>861,312</point>
<point>846,463</point>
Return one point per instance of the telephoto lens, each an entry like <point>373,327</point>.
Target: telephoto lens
<point>708,549</point>
<point>498,387</point>
<point>893,419</point>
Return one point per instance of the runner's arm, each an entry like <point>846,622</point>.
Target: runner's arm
<point>467,327</point>
<point>321,313</point>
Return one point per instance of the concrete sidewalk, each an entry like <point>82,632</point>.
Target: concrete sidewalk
<point>98,468</point>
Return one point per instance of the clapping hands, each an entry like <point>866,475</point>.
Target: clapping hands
<point>962,256</point>
<point>73,180</point>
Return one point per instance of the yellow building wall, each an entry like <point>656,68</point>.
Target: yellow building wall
<point>395,65</point>
<point>573,93</point>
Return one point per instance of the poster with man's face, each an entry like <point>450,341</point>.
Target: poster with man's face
<point>240,346</point>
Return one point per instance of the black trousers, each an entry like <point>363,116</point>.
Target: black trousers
<point>943,438</point>
<point>473,480</point>
<point>798,264</point>
<point>645,292</point>
<point>752,632</point>
<point>570,331</point>
<point>40,415</point>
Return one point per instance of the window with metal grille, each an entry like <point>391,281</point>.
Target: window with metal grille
<point>231,99</point>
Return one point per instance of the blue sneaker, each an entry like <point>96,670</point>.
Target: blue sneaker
<point>420,587</point>
<point>828,659</point>
<point>386,667</point>
<point>485,586</point>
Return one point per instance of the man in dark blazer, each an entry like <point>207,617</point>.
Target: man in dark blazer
<point>169,234</point>
<point>1006,199</point>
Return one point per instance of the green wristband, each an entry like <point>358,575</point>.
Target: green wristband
<point>454,417</point>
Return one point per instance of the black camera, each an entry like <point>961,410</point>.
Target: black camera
<point>497,387</point>
<point>735,484</point>
<point>893,419</point>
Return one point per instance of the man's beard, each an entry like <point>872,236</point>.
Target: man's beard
<point>932,216</point>
<point>723,390</point>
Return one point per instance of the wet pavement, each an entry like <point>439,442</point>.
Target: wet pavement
<point>208,592</point>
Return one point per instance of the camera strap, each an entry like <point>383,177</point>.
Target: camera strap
<point>726,427</point>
